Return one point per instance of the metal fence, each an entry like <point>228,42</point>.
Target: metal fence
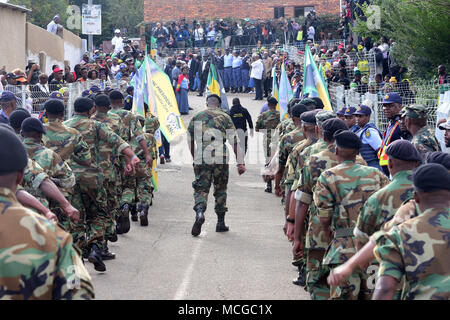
<point>421,92</point>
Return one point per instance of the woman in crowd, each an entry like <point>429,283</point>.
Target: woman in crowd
<point>182,89</point>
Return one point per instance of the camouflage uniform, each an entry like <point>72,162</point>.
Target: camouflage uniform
<point>407,210</point>
<point>211,166</point>
<point>268,121</point>
<point>91,180</point>
<point>286,126</point>
<point>38,262</point>
<point>34,175</point>
<point>293,161</point>
<point>425,141</point>
<point>418,250</point>
<point>316,243</point>
<point>340,193</point>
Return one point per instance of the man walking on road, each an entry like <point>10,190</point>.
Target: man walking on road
<point>208,131</point>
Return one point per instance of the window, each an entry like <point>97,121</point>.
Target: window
<point>278,12</point>
<point>302,11</point>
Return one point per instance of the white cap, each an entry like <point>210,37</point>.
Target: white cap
<point>117,31</point>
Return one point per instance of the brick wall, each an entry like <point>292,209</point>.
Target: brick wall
<point>169,10</point>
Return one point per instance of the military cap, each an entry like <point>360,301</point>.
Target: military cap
<point>431,177</point>
<point>310,103</point>
<point>402,113</point>
<point>350,111</point>
<point>298,110</point>
<point>416,111</point>
<point>102,100</point>
<point>33,125</point>
<point>348,140</point>
<point>439,157</point>
<point>17,116</point>
<point>215,96</point>
<point>130,89</point>
<point>403,150</point>
<point>56,95</point>
<point>83,105</point>
<point>319,103</point>
<point>309,117</point>
<point>392,97</point>
<point>363,110</point>
<point>272,101</point>
<point>331,126</point>
<point>341,112</point>
<point>445,125</point>
<point>85,93</point>
<point>323,116</point>
<point>115,95</point>
<point>13,156</point>
<point>54,106</point>
<point>7,96</point>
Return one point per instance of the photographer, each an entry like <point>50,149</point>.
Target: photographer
<point>33,71</point>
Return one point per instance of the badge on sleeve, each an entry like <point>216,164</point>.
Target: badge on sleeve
<point>368,134</point>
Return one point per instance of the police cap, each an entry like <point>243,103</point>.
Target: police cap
<point>363,110</point>
<point>56,95</point>
<point>350,111</point>
<point>341,112</point>
<point>431,177</point>
<point>33,125</point>
<point>403,150</point>
<point>13,156</point>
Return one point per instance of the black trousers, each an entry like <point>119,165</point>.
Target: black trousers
<point>267,86</point>
<point>258,88</point>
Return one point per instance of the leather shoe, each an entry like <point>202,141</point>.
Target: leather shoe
<point>126,218</point>
<point>199,221</point>
<point>107,255</point>
<point>221,227</point>
<point>95,257</point>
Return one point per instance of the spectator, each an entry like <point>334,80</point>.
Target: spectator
<point>52,27</point>
<point>226,34</point>
<point>311,32</point>
<point>199,35</point>
<point>84,75</point>
<point>161,34</point>
<point>211,35</point>
<point>182,36</point>
<point>93,75</point>
<point>182,89</point>
<point>443,76</point>
<point>117,42</point>
<point>257,75</point>
<point>268,65</point>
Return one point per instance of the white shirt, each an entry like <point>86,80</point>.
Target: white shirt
<point>52,27</point>
<point>257,70</point>
<point>115,69</point>
<point>118,43</point>
<point>204,65</point>
<point>198,34</point>
<point>311,32</point>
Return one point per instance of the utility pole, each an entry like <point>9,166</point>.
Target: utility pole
<point>90,38</point>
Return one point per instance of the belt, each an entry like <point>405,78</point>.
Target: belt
<point>237,68</point>
<point>227,67</point>
<point>343,233</point>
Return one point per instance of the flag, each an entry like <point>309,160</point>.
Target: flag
<point>275,92</point>
<point>313,82</point>
<point>285,93</point>
<point>215,86</point>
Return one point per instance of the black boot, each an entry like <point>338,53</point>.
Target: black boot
<point>143,215</point>
<point>126,218</point>
<point>106,254</point>
<point>119,225</point>
<point>301,280</point>
<point>95,257</point>
<point>269,187</point>
<point>199,221</point>
<point>221,227</point>
<point>113,238</point>
<point>134,213</point>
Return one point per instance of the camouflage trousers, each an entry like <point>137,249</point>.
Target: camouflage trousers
<point>113,206</point>
<point>91,200</point>
<point>144,185</point>
<point>205,176</point>
<point>316,275</point>
<point>128,189</point>
<point>354,288</point>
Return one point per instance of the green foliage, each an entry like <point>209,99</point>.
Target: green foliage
<point>327,23</point>
<point>44,11</point>
<point>420,29</point>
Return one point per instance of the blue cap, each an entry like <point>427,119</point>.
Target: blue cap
<point>56,95</point>
<point>363,110</point>
<point>95,89</point>
<point>85,93</point>
<point>392,97</point>
<point>349,112</point>
<point>341,112</point>
<point>7,96</point>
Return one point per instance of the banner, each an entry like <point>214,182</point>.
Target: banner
<point>92,19</point>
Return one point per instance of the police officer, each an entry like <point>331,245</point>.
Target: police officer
<point>128,102</point>
<point>350,119</point>
<point>370,136</point>
<point>341,114</point>
<point>211,166</point>
<point>8,103</point>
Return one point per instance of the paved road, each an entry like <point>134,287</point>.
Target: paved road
<point>165,262</point>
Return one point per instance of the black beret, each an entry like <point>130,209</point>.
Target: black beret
<point>319,103</point>
<point>309,117</point>
<point>115,95</point>
<point>293,102</point>
<point>17,116</point>
<point>83,105</point>
<point>333,125</point>
<point>272,101</point>
<point>33,125</point>
<point>13,156</point>
<point>298,110</point>
<point>403,150</point>
<point>439,157</point>
<point>215,96</point>
<point>348,140</point>
<point>431,177</point>
<point>54,106</point>
<point>102,100</point>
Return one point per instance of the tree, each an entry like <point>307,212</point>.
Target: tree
<point>44,11</point>
<point>419,28</point>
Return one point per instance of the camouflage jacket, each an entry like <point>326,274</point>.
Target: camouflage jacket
<point>425,141</point>
<point>129,124</point>
<point>292,163</point>
<point>286,126</point>
<point>408,210</point>
<point>419,250</point>
<point>317,147</point>
<point>32,180</point>
<point>340,195</point>
<point>67,142</point>
<point>152,124</point>
<point>55,167</point>
<point>287,143</point>
<point>37,258</point>
<point>383,204</point>
<point>311,171</point>
<point>268,121</point>
<point>205,128</point>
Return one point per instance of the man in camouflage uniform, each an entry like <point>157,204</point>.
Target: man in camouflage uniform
<point>423,137</point>
<point>133,131</point>
<point>287,125</point>
<point>418,249</point>
<point>39,261</point>
<point>208,131</point>
<point>94,196</point>
<point>339,195</point>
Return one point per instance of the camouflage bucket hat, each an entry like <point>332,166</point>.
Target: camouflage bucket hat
<point>416,111</point>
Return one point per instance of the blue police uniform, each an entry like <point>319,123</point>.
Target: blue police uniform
<point>236,65</point>
<point>228,70</point>
<point>349,112</point>
<point>128,103</point>
<point>245,71</point>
